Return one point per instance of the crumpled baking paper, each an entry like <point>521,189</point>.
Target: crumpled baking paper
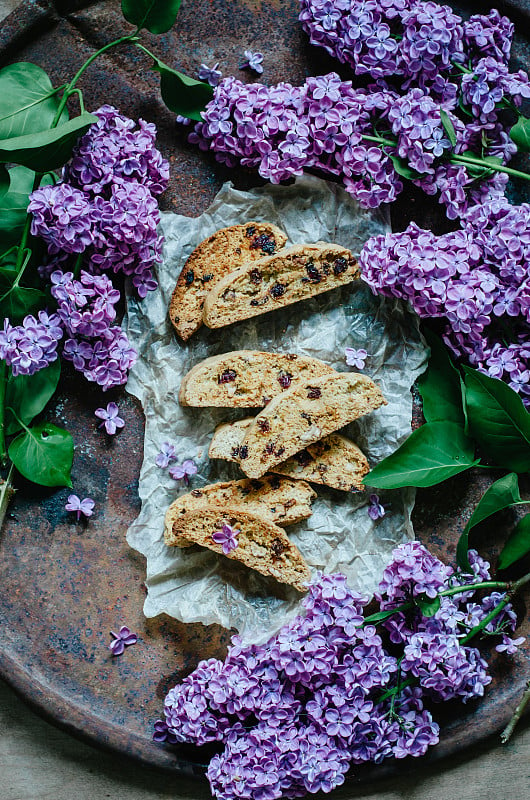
<point>195,584</point>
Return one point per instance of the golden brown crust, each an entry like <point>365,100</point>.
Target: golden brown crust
<point>247,378</point>
<point>299,417</point>
<point>212,259</point>
<point>294,274</point>
<point>282,501</point>
<point>262,545</point>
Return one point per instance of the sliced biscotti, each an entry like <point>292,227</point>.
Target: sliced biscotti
<point>212,259</point>
<point>261,545</point>
<point>280,500</point>
<point>247,378</point>
<point>293,274</point>
<point>301,416</point>
<point>333,461</point>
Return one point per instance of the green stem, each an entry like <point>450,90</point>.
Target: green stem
<point>478,162</point>
<point>517,714</point>
<point>6,494</point>
<point>3,384</point>
<point>70,88</point>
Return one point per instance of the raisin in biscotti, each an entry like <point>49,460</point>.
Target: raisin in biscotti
<point>214,258</point>
<point>301,416</point>
<point>279,500</point>
<point>262,545</point>
<point>333,461</point>
<point>293,274</point>
<point>247,378</point>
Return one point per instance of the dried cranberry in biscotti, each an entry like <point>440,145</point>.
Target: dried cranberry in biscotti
<point>278,290</point>
<point>284,379</point>
<point>189,277</point>
<point>340,265</point>
<point>313,392</point>
<point>243,452</point>
<point>264,425</point>
<point>256,276</point>
<point>227,376</point>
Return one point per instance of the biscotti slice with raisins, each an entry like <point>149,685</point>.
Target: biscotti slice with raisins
<point>280,500</point>
<point>261,545</point>
<point>212,259</point>
<point>333,461</point>
<point>293,274</point>
<point>301,416</point>
<point>247,378</point>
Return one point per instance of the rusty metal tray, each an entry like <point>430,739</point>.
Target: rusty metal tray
<point>65,585</point>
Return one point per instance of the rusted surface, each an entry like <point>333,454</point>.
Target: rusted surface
<point>65,584</point>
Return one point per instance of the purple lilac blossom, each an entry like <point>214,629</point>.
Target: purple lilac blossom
<point>211,75</point>
<point>121,640</point>
<point>166,455</point>
<point>183,471</point>
<point>253,61</point>
<point>31,346</point>
<point>227,538</point>
<point>355,358</point>
<point>477,279</point>
<point>294,714</point>
<point>111,420</point>
<point>85,506</point>
<point>376,509</point>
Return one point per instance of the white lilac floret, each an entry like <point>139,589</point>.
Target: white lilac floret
<point>211,75</point>
<point>329,690</point>
<point>166,455</point>
<point>355,358</point>
<point>227,538</point>
<point>253,60</point>
<point>477,279</point>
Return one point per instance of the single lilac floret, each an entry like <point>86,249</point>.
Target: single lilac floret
<point>111,420</point>
<point>211,75</point>
<point>376,510</point>
<point>253,61</point>
<point>121,640</point>
<point>355,358</point>
<point>183,471</point>
<point>166,455</point>
<point>85,506</point>
<point>227,537</point>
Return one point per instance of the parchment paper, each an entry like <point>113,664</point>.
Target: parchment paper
<point>195,584</point>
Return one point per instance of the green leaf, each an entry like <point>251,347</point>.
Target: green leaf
<point>520,134</point>
<point>44,454</point>
<point>14,204</point>
<point>431,454</point>
<point>46,150</point>
<point>19,301</point>
<point>182,94</point>
<point>403,168</point>
<point>440,386</point>
<point>29,394</point>
<point>448,127</point>
<point>157,16</point>
<point>27,101</point>
<point>4,180</point>
<point>498,421</point>
<point>517,545</point>
<point>501,494</point>
<point>428,605</point>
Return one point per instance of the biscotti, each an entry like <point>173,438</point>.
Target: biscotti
<point>279,500</point>
<point>247,378</point>
<point>333,461</point>
<point>261,545</point>
<point>301,416</point>
<point>295,273</point>
<point>214,258</point>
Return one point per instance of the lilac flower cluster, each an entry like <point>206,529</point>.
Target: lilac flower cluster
<point>426,61</point>
<point>98,349</point>
<point>329,690</point>
<point>476,278</point>
<point>105,207</point>
<point>327,125</point>
<point>31,346</point>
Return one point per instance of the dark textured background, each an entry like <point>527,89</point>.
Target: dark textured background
<point>65,585</point>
